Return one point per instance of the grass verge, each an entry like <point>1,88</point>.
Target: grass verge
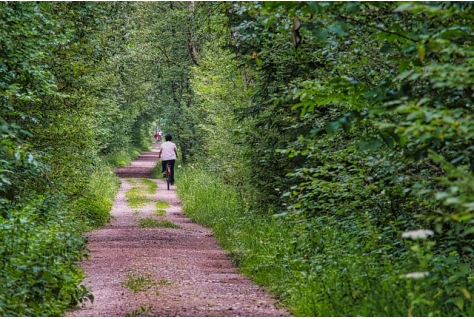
<point>122,158</point>
<point>154,223</point>
<point>138,283</point>
<point>93,207</point>
<point>322,269</point>
<point>255,250</point>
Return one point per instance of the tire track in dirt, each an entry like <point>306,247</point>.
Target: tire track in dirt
<point>192,276</point>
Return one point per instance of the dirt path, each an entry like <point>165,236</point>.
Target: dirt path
<point>187,273</point>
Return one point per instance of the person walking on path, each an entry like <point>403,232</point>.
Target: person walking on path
<point>168,154</point>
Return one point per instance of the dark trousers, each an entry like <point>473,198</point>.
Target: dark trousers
<point>163,166</point>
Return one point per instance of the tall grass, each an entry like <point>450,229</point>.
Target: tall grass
<point>156,172</point>
<point>254,242</point>
<point>327,268</point>
<point>96,201</point>
<point>123,158</point>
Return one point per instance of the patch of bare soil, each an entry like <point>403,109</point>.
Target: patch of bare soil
<point>188,274</point>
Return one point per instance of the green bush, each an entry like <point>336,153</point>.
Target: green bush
<point>39,252</point>
<point>118,160</point>
<point>123,158</point>
<point>93,207</point>
<point>329,265</point>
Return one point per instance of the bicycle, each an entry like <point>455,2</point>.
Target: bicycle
<point>168,175</point>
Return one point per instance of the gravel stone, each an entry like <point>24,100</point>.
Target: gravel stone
<point>193,276</point>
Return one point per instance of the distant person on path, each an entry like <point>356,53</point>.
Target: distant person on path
<point>157,136</point>
<point>168,154</point>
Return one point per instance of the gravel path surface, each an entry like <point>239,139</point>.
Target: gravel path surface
<point>188,274</point>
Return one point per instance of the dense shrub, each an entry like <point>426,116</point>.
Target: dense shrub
<point>59,109</point>
<point>40,249</point>
<point>93,206</point>
<point>329,265</point>
<point>333,129</point>
<point>363,121</point>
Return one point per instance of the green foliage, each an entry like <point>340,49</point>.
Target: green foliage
<point>163,46</point>
<point>138,283</point>
<point>221,149</point>
<point>162,205</point>
<point>22,67</point>
<point>350,121</point>
<point>122,158</point>
<point>59,110</point>
<point>366,108</point>
<point>93,207</point>
<point>41,244</point>
<point>331,265</point>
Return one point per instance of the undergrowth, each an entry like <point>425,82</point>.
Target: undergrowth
<point>122,158</point>
<point>39,252</point>
<point>93,207</point>
<point>330,267</point>
<point>42,244</point>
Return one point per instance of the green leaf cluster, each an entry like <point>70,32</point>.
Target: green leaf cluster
<point>355,129</point>
<point>348,122</point>
<point>41,244</point>
<point>56,106</point>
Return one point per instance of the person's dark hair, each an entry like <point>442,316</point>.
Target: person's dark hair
<point>168,137</point>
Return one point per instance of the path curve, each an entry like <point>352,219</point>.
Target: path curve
<point>195,277</point>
